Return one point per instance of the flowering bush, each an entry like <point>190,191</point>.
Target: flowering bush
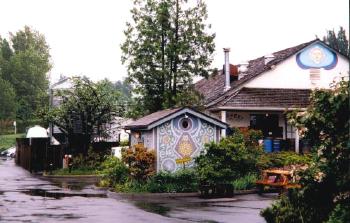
<point>141,162</point>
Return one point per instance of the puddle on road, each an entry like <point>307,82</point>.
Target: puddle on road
<point>70,185</point>
<point>59,194</point>
<point>61,216</point>
<point>153,208</point>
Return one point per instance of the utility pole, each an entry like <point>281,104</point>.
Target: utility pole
<point>50,106</point>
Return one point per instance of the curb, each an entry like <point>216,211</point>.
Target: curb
<point>71,176</point>
<point>243,192</point>
<point>113,194</point>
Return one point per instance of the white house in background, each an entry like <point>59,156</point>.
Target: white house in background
<point>116,131</point>
<point>257,94</point>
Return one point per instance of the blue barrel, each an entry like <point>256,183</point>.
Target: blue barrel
<point>276,145</point>
<point>268,145</point>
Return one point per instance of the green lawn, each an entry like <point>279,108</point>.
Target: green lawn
<point>6,141</point>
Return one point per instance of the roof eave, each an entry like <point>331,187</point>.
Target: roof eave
<point>228,108</point>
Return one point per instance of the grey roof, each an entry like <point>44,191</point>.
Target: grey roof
<point>268,97</point>
<point>213,88</point>
<point>157,118</point>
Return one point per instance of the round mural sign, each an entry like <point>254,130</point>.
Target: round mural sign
<point>317,56</point>
<point>169,165</point>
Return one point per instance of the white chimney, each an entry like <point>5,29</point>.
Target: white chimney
<point>243,67</point>
<point>227,69</point>
<point>269,58</point>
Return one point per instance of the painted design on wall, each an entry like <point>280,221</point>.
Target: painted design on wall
<point>145,137</point>
<point>185,146</point>
<point>317,56</point>
<point>177,140</point>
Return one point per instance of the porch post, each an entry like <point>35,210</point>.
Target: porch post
<point>296,141</point>
<point>223,119</point>
<point>285,132</point>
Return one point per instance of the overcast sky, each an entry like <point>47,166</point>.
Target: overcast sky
<point>85,35</point>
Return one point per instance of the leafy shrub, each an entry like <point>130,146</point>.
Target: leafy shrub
<point>246,182</point>
<point>181,181</point>
<point>90,161</point>
<point>114,172</point>
<point>251,136</point>
<point>163,182</point>
<point>281,212</point>
<point>340,214</point>
<point>124,143</point>
<point>281,159</point>
<point>140,161</point>
<point>131,186</point>
<point>233,157</point>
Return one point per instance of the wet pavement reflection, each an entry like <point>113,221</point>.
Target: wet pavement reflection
<point>25,198</point>
<point>28,198</point>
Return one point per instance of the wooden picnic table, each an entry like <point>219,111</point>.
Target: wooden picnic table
<point>276,178</point>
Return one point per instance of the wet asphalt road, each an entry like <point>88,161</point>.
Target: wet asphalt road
<point>25,198</point>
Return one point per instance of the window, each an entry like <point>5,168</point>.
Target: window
<point>185,124</point>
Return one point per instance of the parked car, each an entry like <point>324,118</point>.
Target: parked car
<point>10,152</point>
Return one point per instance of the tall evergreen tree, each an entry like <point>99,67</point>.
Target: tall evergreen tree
<point>166,46</point>
<point>338,41</point>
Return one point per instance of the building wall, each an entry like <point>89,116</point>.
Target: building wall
<point>174,142</point>
<point>145,137</point>
<point>242,119</point>
<point>289,74</point>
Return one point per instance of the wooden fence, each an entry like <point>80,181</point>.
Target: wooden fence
<point>36,154</point>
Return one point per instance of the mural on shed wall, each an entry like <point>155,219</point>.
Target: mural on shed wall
<point>182,137</point>
<point>145,137</point>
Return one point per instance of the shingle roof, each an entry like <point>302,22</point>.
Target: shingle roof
<point>149,119</point>
<point>268,97</point>
<point>212,88</point>
<point>157,118</point>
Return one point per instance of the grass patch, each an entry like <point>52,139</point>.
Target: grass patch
<point>77,171</point>
<point>6,141</point>
<point>245,183</point>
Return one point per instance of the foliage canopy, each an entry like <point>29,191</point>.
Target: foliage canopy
<point>24,64</point>
<point>166,46</point>
<point>325,184</point>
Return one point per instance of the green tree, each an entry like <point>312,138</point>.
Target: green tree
<point>125,98</point>
<point>324,195</point>
<point>25,63</point>
<point>124,87</point>
<point>166,46</point>
<point>338,41</point>
<point>88,109</point>
<point>7,100</point>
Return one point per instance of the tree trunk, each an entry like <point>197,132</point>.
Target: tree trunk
<point>174,89</point>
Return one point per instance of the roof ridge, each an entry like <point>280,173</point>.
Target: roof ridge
<point>265,67</point>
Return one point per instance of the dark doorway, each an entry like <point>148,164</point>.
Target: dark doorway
<point>267,123</point>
